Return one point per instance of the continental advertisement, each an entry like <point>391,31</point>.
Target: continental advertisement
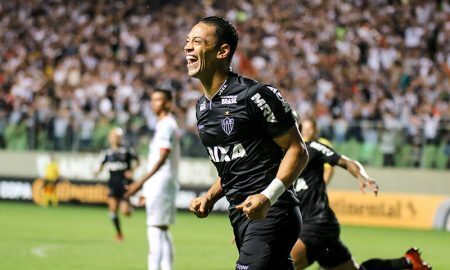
<point>391,209</point>
<point>351,207</point>
<point>67,191</point>
<point>28,189</point>
<point>82,192</point>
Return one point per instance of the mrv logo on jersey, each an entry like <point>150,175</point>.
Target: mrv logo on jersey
<point>226,153</point>
<point>263,106</point>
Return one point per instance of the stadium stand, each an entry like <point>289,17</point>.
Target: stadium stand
<point>377,82</point>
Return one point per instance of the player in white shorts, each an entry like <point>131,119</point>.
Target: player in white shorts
<point>160,183</point>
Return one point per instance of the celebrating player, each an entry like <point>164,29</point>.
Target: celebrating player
<point>251,137</point>
<point>118,159</point>
<point>161,182</point>
<point>319,240</point>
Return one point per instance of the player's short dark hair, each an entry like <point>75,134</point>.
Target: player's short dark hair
<point>225,33</point>
<point>167,93</point>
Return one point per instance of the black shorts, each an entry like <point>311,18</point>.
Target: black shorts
<point>266,244</point>
<point>330,252</point>
<point>117,188</point>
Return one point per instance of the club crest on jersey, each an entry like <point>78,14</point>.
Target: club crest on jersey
<point>227,125</point>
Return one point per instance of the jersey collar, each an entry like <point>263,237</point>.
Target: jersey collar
<point>222,88</point>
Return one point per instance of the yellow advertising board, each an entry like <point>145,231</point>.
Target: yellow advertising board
<point>69,192</point>
<point>390,209</point>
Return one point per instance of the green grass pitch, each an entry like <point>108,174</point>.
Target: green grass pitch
<point>76,237</point>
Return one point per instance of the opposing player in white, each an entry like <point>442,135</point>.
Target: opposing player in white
<point>161,183</point>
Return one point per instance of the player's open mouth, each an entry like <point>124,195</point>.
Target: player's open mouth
<point>191,60</point>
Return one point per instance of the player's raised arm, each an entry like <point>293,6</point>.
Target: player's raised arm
<point>203,205</point>
<point>358,171</point>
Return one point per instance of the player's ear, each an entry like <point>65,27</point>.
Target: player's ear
<point>224,51</point>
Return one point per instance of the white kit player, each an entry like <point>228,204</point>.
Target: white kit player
<point>161,183</point>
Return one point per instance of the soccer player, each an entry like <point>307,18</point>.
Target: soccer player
<point>161,182</point>
<point>120,161</point>
<point>251,138</point>
<point>319,240</point>
<point>311,134</point>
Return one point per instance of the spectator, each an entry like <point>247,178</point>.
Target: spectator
<point>334,59</point>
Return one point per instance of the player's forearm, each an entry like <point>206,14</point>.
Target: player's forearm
<point>215,192</point>
<point>354,168</point>
<point>294,161</point>
<point>98,170</point>
<point>154,169</point>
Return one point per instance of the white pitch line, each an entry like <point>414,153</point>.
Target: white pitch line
<point>41,251</point>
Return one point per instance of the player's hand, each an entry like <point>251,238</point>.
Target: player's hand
<point>368,183</point>
<point>201,206</point>
<point>255,206</point>
<point>133,188</point>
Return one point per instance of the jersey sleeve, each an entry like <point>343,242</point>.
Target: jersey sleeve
<point>165,133</point>
<point>132,155</point>
<point>326,154</point>
<point>330,145</point>
<point>267,107</point>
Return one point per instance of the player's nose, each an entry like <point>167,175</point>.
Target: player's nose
<point>188,47</point>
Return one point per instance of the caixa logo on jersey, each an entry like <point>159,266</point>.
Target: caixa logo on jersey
<point>227,125</point>
<point>226,153</point>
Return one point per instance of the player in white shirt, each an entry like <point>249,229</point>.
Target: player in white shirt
<point>161,182</point>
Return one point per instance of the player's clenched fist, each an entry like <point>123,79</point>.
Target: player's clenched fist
<point>255,206</point>
<point>201,206</point>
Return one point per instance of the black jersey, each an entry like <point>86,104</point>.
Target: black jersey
<point>117,162</point>
<point>311,190</point>
<point>237,127</point>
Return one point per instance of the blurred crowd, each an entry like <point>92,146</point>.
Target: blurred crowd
<point>375,72</point>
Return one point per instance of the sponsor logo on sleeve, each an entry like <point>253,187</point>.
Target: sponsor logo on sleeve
<point>264,107</point>
<point>286,106</point>
<point>321,148</point>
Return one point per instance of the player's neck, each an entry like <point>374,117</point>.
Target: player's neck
<point>162,114</point>
<point>114,146</point>
<point>214,83</point>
